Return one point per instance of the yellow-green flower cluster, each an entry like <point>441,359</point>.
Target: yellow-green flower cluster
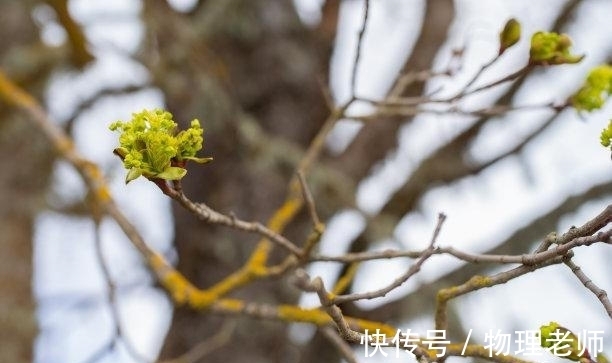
<point>596,89</point>
<point>561,341</point>
<point>190,141</point>
<point>549,48</point>
<point>149,147</point>
<point>606,136</point>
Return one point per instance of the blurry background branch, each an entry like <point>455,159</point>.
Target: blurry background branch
<point>78,43</point>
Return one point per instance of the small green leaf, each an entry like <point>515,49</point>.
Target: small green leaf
<point>132,174</point>
<point>172,173</point>
<point>198,160</point>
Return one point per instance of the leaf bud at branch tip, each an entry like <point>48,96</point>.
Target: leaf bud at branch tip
<point>510,35</point>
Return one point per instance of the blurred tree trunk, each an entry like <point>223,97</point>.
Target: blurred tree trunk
<point>250,71</point>
<point>26,165</point>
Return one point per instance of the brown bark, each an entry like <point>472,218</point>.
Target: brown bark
<point>250,69</point>
<point>25,165</point>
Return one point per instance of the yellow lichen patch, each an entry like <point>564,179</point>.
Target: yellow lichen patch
<point>13,94</point>
<point>279,220</point>
<point>284,214</point>
<point>259,270</point>
<point>346,279</point>
<point>230,305</point>
<point>319,228</point>
<point>256,265</point>
<point>95,179</point>
<point>297,314</point>
<point>362,325</point>
<point>445,294</point>
<point>201,299</point>
<point>179,288</point>
<point>233,281</point>
<point>259,256</point>
<point>103,194</point>
<point>64,145</point>
<point>92,170</point>
<point>157,261</point>
<point>480,281</point>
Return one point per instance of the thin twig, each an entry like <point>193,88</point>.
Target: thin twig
<point>112,301</point>
<point>524,259</point>
<point>303,281</point>
<point>415,268</point>
<point>343,348</point>
<point>601,294</point>
<point>408,78</point>
<point>366,12</point>
<point>508,78</point>
<point>576,236</point>
<point>589,228</point>
<point>384,112</point>
<point>207,214</point>
<point>368,256</point>
<point>207,346</point>
<point>478,282</point>
<point>91,100</point>
<point>310,203</point>
<point>480,72</point>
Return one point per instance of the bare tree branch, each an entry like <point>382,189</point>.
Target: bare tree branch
<point>601,294</point>
<point>414,269</point>
<point>205,347</point>
<point>344,349</point>
<point>354,73</point>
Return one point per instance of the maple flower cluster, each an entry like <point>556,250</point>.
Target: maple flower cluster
<point>550,48</point>
<point>149,145</point>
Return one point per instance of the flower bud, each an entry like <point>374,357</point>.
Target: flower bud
<point>510,35</point>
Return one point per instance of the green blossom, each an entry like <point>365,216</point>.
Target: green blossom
<point>561,342</point>
<point>549,48</point>
<point>149,147</point>
<point>606,135</point>
<point>190,141</point>
<point>595,90</point>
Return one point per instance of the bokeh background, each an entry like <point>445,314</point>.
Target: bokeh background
<point>257,75</point>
